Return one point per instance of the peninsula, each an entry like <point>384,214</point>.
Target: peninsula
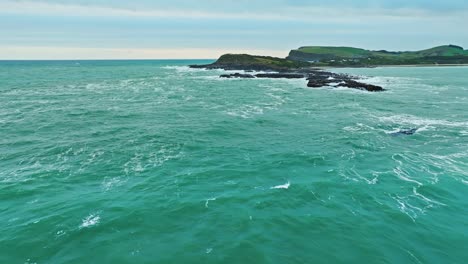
<point>272,67</point>
<point>307,62</point>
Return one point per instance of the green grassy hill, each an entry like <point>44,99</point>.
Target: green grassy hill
<point>260,60</point>
<point>348,56</point>
<point>259,63</point>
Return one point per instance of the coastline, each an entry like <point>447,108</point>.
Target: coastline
<point>397,66</point>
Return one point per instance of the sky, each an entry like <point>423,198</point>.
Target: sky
<point>205,29</point>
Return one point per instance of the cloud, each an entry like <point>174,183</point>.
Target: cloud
<point>266,5</point>
<point>275,10</point>
<point>77,53</point>
<point>156,29</point>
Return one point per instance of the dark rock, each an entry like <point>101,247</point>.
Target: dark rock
<point>360,86</point>
<point>322,78</point>
<point>280,75</point>
<point>317,83</point>
<point>237,75</point>
<point>264,75</point>
<point>405,132</point>
<point>195,66</point>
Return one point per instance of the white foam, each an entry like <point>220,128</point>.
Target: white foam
<point>415,192</point>
<point>420,121</point>
<point>404,209</point>
<point>414,257</point>
<point>183,68</point>
<point>392,131</point>
<point>208,201</point>
<point>348,90</point>
<point>247,111</point>
<point>60,233</point>
<point>283,186</point>
<point>110,183</point>
<point>403,176</point>
<point>90,220</point>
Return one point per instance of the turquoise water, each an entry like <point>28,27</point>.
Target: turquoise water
<point>151,162</point>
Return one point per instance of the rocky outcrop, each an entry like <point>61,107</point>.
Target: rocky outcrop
<point>237,75</point>
<point>360,86</point>
<point>323,79</point>
<point>265,75</point>
<point>315,79</point>
<point>254,63</point>
<point>282,68</point>
<point>280,75</point>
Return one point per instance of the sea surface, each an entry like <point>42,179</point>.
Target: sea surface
<point>153,162</point>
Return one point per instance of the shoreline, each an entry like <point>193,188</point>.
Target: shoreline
<point>396,66</point>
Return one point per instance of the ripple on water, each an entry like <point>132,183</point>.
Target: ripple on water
<point>184,163</point>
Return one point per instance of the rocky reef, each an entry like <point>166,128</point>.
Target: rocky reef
<point>265,75</point>
<point>323,78</point>
<point>283,68</point>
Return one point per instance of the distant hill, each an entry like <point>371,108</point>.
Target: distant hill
<point>254,63</point>
<point>349,56</point>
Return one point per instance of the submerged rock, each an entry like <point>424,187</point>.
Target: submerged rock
<point>403,132</point>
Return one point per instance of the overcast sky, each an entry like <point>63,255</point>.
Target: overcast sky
<point>113,29</point>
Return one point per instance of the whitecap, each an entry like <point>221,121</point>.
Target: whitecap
<point>424,198</point>
<point>404,209</point>
<point>110,183</point>
<point>177,68</point>
<point>247,111</point>
<point>60,233</point>
<point>208,201</point>
<point>401,174</point>
<point>283,186</point>
<point>420,121</point>
<point>90,220</point>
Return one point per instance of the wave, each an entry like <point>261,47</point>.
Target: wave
<point>90,220</point>
<point>110,183</point>
<point>141,162</point>
<point>419,121</point>
<point>208,201</point>
<point>415,204</point>
<point>282,186</point>
<point>247,111</point>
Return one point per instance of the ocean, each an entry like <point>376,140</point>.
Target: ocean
<point>153,162</point>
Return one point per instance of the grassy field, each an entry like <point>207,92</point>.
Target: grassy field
<point>249,61</point>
